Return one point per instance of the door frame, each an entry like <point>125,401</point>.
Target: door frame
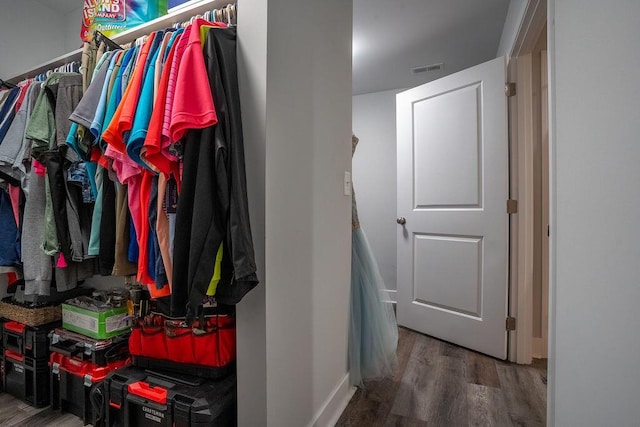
<point>522,131</point>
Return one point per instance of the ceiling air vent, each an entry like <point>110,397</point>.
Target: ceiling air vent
<point>427,68</point>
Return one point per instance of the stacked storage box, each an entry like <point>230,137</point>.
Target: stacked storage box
<point>92,343</point>
<point>25,355</point>
<point>136,397</point>
<point>184,373</point>
<point>78,365</point>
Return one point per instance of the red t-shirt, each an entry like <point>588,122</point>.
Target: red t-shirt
<point>122,120</point>
<point>152,150</point>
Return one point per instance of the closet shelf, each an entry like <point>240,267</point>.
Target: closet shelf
<point>180,14</point>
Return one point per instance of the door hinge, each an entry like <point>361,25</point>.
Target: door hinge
<point>510,89</point>
<point>510,323</point>
<point>512,206</point>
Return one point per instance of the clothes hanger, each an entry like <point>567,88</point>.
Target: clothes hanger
<point>228,12</point>
<point>111,45</point>
<point>6,84</point>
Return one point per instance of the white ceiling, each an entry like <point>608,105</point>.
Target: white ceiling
<point>392,36</point>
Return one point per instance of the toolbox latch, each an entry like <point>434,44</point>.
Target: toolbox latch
<point>115,393</point>
<point>182,410</point>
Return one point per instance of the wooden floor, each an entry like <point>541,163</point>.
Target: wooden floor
<point>13,412</point>
<point>436,384</point>
<point>439,384</point>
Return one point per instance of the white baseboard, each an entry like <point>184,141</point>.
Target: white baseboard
<point>538,348</point>
<point>390,295</point>
<point>333,407</point>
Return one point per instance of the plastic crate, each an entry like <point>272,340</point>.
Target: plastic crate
<point>73,380</point>
<point>98,352</point>
<point>29,341</point>
<point>140,398</point>
<point>25,378</point>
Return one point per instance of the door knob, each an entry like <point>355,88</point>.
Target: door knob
<point>401,220</point>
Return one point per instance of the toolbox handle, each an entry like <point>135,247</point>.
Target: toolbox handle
<point>66,351</point>
<point>14,355</point>
<point>16,327</point>
<point>149,392</point>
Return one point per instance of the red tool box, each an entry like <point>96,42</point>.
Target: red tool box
<point>140,398</point>
<point>72,382</point>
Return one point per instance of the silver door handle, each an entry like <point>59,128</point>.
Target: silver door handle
<point>401,220</point>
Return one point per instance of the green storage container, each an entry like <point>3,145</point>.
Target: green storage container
<point>95,322</point>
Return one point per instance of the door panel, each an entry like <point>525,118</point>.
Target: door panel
<point>452,190</point>
<point>453,265</point>
<point>457,168</point>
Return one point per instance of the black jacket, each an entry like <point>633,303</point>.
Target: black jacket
<point>212,208</point>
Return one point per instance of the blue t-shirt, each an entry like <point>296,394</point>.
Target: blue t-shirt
<point>145,105</point>
<point>96,124</point>
<point>116,92</point>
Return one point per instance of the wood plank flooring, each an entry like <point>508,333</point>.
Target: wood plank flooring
<point>14,412</point>
<point>436,384</point>
<point>440,384</point>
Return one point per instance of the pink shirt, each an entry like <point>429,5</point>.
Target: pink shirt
<point>171,85</point>
<point>192,100</point>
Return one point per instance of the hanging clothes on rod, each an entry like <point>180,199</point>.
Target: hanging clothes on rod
<point>6,85</point>
<point>143,173</point>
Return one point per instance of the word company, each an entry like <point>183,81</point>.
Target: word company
<point>103,9</point>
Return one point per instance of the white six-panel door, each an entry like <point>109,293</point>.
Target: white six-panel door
<point>452,219</point>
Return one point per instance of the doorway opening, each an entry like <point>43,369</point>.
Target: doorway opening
<point>529,158</point>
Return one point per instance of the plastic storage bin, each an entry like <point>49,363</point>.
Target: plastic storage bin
<point>25,378</point>
<point>73,380</point>
<point>80,347</point>
<point>29,341</point>
<point>136,397</point>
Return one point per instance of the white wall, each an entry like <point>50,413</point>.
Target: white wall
<point>594,378</point>
<point>515,13</point>
<point>308,220</point>
<point>374,176</point>
<point>30,34</point>
<point>73,20</point>
<point>250,313</point>
<point>292,330</point>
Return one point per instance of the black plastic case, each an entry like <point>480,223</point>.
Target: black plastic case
<point>30,341</point>
<point>135,397</point>
<point>25,378</point>
<point>81,347</point>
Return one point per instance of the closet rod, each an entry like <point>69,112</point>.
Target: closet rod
<point>180,15</point>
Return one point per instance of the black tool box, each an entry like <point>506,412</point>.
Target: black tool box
<point>183,368</point>
<point>72,382</point>
<point>29,341</point>
<point>25,378</point>
<point>135,397</point>
<point>81,347</point>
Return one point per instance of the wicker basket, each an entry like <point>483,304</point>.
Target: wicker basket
<point>30,316</point>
